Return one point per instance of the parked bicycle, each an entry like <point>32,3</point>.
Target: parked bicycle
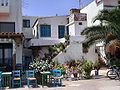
<point>113,73</point>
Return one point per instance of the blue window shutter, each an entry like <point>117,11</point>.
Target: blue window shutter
<point>67,30</point>
<point>45,31</point>
<point>61,31</point>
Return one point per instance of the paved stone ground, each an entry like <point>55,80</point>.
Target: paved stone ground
<point>97,83</point>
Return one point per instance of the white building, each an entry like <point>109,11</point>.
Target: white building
<point>46,32</point>
<point>51,30</point>
<point>11,36</point>
<point>93,10</point>
<point>40,32</point>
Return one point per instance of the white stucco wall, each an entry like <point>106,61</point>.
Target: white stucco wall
<point>73,51</point>
<point>75,29</point>
<point>92,10</point>
<point>19,53</point>
<point>28,31</point>
<point>79,28</point>
<point>91,55</point>
<point>72,29</point>
<point>74,23</point>
<point>15,15</point>
<point>54,21</point>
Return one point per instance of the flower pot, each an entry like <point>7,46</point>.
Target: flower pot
<point>75,75</point>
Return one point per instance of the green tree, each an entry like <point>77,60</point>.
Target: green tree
<point>108,29</point>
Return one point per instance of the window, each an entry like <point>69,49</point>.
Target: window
<point>5,54</point>
<point>80,23</point>
<point>67,30</point>
<point>7,27</point>
<point>45,31</point>
<point>26,23</point>
<point>61,31</point>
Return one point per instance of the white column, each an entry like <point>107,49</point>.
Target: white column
<point>19,53</point>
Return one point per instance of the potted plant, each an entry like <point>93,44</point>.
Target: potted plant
<point>96,66</point>
<point>75,71</point>
<point>39,66</point>
<point>80,72</point>
<point>87,67</point>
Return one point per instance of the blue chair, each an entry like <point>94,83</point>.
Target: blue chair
<point>0,79</point>
<point>30,75</point>
<point>57,77</point>
<point>16,80</point>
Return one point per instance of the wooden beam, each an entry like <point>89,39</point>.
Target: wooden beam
<point>14,61</point>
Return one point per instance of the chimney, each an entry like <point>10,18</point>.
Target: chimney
<point>74,11</point>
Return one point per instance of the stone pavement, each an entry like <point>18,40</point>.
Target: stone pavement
<point>97,83</point>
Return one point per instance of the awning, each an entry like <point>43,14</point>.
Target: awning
<point>18,37</point>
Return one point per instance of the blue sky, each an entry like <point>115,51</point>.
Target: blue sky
<point>49,7</point>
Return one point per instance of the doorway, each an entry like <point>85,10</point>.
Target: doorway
<point>6,56</point>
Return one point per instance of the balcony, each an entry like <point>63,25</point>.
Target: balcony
<point>44,42</point>
<point>4,7</point>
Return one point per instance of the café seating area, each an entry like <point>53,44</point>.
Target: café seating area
<point>13,79</point>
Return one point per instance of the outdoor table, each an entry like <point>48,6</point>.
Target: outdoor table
<point>44,75</point>
<point>6,79</point>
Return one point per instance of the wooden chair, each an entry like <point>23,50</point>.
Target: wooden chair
<point>30,75</point>
<point>57,77</point>
<point>16,80</point>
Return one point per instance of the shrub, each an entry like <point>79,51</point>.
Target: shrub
<point>87,67</point>
<point>39,66</point>
<point>96,65</point>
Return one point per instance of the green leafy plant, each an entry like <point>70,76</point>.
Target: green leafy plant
<point>96,65</point>
<point>87,67</point>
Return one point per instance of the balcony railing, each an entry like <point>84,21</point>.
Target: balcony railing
<point>44,42</point>
<point>4,7</point>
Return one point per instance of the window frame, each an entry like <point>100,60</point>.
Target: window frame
<point>7,23</point>
<point>25,21</point>
<point>45,33</point>
<point>59,32</point>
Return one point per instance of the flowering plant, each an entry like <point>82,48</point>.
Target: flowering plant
<point>39,66</point>
<point>79,69</point>
<point>74,69</point>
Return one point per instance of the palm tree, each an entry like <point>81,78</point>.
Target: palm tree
<point>107,31</point>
